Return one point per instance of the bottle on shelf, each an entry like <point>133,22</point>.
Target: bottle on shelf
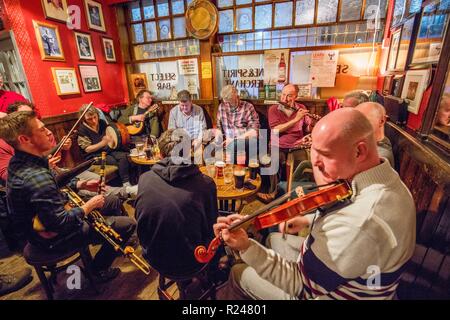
<point>282,70</point>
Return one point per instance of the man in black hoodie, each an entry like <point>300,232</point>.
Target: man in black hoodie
<point>176,207</point>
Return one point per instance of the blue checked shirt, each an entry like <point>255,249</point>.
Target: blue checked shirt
<point>194,124</point>
<point>32,190</point>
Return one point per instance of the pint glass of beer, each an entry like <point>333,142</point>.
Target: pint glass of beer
<point>239,177</point>
<point>253,166</point>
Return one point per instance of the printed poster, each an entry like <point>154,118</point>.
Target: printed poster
<point>323,68</point>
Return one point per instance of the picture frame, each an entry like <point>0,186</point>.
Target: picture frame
<point>108,49</point>
<point>397,85</point>
<point>94,15</point>
<point>416,82</point>
<point>66,81</point>
<point>387,84</point>
<point>138,82</point>
<point>405,41</point>
<point>430,35</point>
<point>393,49</point>
<point>84,46</point>
<point>55,10</point>
<point>49,41</point>
<point>90,78</point>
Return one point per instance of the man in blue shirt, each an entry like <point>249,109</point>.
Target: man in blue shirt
<point>189,117</point>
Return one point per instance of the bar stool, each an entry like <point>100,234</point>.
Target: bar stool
<point>187,286</point>
<point>44,261</point>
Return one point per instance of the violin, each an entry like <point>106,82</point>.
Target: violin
<point>266,217</point>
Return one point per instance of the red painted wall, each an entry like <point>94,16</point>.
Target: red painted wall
<point>38,72</point>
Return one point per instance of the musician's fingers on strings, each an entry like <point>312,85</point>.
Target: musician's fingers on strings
<point>219,227</point>
<point>235,217</point>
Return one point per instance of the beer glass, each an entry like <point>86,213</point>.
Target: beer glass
<point>239,177</point>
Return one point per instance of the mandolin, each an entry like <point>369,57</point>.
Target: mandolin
<point>137,127</point>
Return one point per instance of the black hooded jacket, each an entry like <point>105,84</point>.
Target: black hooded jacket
<point>176,208</point>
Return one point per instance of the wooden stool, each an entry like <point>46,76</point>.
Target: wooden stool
<point>186,283</point>
<point>44,261</point>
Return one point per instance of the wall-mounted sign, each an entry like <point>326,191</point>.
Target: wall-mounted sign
<point>323,68</point>
<point>276,66</point>
<point>187,66</point>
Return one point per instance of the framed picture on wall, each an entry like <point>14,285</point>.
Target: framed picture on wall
<point>387,84</point>
<point>65,80</point>
<point>94,15</point>
<point>416,81</point>
<point>84,46</point>
<point>55,9</point>
<point>393,49</point>
<point>90,78</point>
<point>108,49</point>
<point>397,85</point>
<point>49,42</point>
<point>138,82</point>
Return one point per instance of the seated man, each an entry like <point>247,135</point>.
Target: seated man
<point>353,98</point>
<point>176,208</point>
<point>139,112</point>
<point>376,114</point>
<point>356,249</point>
<point>32,193</point>
<point>291,121</point>
<point>238,120</point>
<point>92,140</point>
<point>189,117</point>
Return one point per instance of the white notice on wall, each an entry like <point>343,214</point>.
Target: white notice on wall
<point>323,68</point>
<point>187,66</point>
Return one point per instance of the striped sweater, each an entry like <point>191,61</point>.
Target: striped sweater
<point>357,251</point>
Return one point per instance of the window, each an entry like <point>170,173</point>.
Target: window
<point>157,20</point>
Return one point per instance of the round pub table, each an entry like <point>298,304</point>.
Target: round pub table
<point>229,197</point>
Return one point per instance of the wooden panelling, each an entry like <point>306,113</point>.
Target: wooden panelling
<point>428,177</point>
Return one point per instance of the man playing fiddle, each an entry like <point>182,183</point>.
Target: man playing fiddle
<point>32,193</point>
<point>371,233</point>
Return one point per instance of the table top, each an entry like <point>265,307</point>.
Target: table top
<point>228,192</point>
<point>143,161</point>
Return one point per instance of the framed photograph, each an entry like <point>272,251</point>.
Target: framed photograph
<point>393,49</point>
<point>84,46</point>
<point>108,49</point>
<point>387,84</point>
<point>433,26</point>
<point>405,40</point>
<point>66,81</point>
<point>397,85</point>
<point>416,81</point>
<point>90,78</point>
<point>94,14</point>
<point>49,42</point>
<point>138,82</point>
<point>55,10</point>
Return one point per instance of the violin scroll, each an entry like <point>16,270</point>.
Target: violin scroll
<point>203,255</point>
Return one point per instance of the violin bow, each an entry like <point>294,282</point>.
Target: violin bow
<point>64,139</point>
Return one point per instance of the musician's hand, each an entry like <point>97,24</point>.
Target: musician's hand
<point>89,185</point>
<point>106,140</point>
<point>52,161</point>
<point>67,144</point>
<point>236,239</point>
<point>300,114</point>
<point>96,202</point>
<point>3,114</point>
<point>294,225</point>
<point>137,118</point>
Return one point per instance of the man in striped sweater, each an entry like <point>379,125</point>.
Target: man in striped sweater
<point>356,250</point>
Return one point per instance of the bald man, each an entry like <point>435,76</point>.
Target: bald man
<point>356,249</point>
<point>376,114</point>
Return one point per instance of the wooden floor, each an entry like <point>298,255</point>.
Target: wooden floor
<point>131,284</point>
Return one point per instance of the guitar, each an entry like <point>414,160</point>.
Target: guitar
<point>137,126</point>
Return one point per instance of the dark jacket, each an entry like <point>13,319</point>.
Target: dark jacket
<point>176,207</point>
